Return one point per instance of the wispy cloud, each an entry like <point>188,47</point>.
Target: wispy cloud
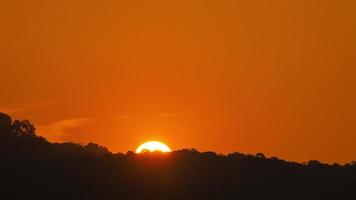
<point>169,115</point>
<point>20,108</point>
<point>58,130</point>
<point>159,115</point>
<point>123,117</point>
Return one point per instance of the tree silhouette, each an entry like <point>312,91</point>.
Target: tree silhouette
<point>23,128</point>
<point>5,125</point>
<point>32,168</point>
<point>260,155</point>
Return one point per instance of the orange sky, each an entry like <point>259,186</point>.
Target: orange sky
<point>277,76</point>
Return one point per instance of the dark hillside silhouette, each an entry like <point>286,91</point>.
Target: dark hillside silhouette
<point>33,168</point>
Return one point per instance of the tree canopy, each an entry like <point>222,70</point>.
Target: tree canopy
<point>32,167</point>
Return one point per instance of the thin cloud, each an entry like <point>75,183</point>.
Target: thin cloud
<point>169,115</point>
<point>20,108</point>
<point>122,117</point>
<point>58,130</point>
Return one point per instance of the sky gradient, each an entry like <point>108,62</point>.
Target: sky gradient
<point>277,77</point>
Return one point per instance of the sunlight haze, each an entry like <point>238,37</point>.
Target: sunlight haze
<point>276,77</point>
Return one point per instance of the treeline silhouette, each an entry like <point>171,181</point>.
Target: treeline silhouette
<point>33,168</point>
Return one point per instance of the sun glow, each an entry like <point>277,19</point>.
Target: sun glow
<point>153,146</point>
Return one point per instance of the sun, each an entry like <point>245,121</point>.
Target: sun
<point>153,146</point>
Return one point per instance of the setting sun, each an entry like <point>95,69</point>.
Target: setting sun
<point>153,146</point>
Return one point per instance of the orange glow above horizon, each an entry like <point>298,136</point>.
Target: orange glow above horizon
<point>276,77</point>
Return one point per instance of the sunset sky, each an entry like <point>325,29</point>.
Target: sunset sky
<point>277,77</point>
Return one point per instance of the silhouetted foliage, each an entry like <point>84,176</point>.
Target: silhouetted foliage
<point>5,125</point>
<point>16,129</point>
<point>32,168</point>
<point>97,150</point>
<point>260,155</point>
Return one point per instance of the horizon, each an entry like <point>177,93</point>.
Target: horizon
<point>276,77</point>
<point>197,150</point>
